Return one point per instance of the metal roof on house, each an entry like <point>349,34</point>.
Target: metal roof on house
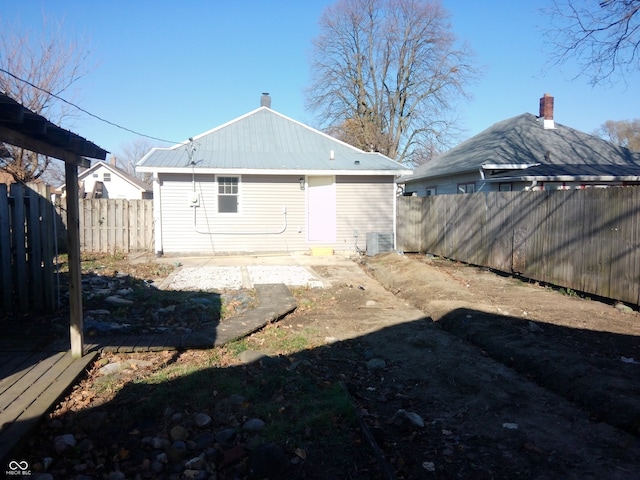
<point>522,140</point>
<point>267,141</point>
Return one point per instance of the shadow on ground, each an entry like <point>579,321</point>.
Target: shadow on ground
<point>472,396</point>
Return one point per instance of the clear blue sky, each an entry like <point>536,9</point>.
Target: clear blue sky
<point>173,69</point>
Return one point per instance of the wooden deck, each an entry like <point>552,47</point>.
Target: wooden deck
<point>31,382</point>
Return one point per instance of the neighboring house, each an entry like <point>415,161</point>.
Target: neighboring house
<point>105,180</point>
<point>266,183</point>
<point>527,153</point>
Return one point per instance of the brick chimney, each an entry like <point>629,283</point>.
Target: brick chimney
<point>546,111</point>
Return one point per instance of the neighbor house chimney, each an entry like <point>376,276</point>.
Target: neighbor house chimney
<point>265,100</point>
<point>546,111</point>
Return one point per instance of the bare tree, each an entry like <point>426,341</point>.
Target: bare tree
<point>34,69</point>
<point>625,133</point>
<point>387,73</point>
<point>604,36</point>
<point>132,152</point>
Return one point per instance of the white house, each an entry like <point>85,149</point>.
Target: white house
<point>266,183</point>
<point>105,180</point>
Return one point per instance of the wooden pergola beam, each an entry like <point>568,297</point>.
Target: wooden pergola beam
<point>42,147</point>
<point>25,129</point>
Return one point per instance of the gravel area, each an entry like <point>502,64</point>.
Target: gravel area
<point>235,278</point>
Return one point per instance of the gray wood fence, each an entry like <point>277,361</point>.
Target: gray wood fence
<point>27,249</point>
<point>29,226</point>
<point>114,225</point>
<point>584,240</point>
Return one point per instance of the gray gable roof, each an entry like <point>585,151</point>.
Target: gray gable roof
<point>523,140</point>
<point>264,140</point>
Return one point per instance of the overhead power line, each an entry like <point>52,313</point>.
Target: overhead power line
<point>85,111</point>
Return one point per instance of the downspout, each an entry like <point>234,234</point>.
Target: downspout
<point>395,219</point>
<point>481,170</point>
<point>157,214</point>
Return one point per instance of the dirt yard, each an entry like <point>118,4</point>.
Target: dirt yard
<point>456,372</point>
<point>512,379</point>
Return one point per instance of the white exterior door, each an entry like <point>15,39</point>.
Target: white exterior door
<point>321,209</point>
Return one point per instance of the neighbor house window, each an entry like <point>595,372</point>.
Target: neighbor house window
<point>430,191</point>
<point>228,194</point>
<point>106,177</point>
<point>505,187</point>
<point>469,187</point>
<point>95,175</point>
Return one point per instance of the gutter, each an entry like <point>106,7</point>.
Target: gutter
<point>271,171</point>
<point>566,178</point>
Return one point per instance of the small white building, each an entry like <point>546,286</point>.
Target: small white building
<point>266,183</point>
<point>105,180</point>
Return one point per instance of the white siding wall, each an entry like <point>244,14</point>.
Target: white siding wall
<point>363,204</point>
<point>253,229</point>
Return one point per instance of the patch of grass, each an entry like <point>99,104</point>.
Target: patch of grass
<point>235,348</point>
<point>108,264</point>
<point>311,414</point>
<point>283,340</point>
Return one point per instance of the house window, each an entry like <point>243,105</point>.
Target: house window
<point>106,177</point>
<point>505,187</point>
<point>228,194</point>
<point>430,191</point>
<point>95,175</point>
<point>469,187</point>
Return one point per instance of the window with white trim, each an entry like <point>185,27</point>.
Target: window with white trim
<point>106,177</point>
<point>469,187</point>
<point>228,193</point>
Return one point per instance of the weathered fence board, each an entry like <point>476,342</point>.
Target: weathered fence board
<point>410,217</point>
<point>115,225</point>
<point>5,250</point>
<point>27,253</point>
<point>585,240</point>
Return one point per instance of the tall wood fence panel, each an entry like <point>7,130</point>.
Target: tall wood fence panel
<point>27,249</point>
<point>585,240</point>
<point>115,225</point>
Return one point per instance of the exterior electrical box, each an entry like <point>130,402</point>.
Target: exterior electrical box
<point>194,199</point>
<point>378,242</point>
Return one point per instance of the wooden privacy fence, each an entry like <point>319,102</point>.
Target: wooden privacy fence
<point>584,240</point>
<point>114,225</point>
<point>27,249</point>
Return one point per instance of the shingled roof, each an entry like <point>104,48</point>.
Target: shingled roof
<point>522,141</point>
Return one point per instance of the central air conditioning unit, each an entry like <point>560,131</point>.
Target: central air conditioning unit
<point>378,242</point>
